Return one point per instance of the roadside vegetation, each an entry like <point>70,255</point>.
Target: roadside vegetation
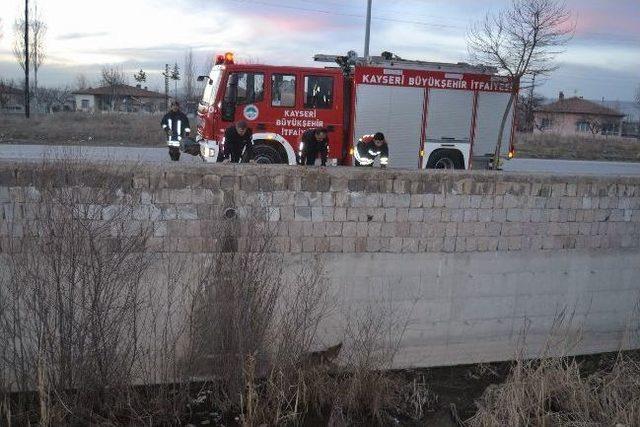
<point>564,392</point>
<point>549,146</point>
<point>75,128</point>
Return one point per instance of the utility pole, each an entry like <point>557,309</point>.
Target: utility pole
<point>367,33</point>
<point>26,59</point>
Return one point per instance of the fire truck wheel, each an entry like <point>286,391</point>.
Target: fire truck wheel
<point>266,154</point>
<point>445,159</point>
<point>174,153</point>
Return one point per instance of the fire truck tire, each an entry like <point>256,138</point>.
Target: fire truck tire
<point>445,159</point>
<point>174,153</point>
<point>266,154</point>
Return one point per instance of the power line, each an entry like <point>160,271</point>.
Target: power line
<point>350,15</point>
<point>359,7</point>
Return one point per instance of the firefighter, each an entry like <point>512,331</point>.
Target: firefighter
<point>369,147</point>
<point>176,125</point>
<point>314,141</point>
<point>238,138</point>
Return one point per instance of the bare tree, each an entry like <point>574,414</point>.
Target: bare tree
<point>18,42</point>
<point>522,40</point>
<point>21,50</point>
<point>54,99</point>
<point>38,53</point>
<point>594,123</point>
<point>114,78</point>
<point>189,72</point>
<point>81,82</point>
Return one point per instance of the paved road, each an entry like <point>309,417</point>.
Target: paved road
<point>572,167</point>
<point>154,155</point>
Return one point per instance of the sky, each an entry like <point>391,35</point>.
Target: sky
<point>601,61</point>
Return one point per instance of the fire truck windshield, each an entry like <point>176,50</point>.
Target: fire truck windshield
<point>211,88</point>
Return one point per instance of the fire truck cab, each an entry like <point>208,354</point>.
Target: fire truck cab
<point>434,115</point>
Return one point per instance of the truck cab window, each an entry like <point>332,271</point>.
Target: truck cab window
<point>250,88</point>
<point>318,92</point>
<point>283,90</point>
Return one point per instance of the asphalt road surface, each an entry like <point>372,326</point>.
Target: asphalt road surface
<point>16,152</point>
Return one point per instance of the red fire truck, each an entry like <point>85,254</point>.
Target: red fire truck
<point>434,115</point>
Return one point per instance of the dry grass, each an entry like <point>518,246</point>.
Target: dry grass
<point>83,129</point>
<point>557,391</point>
<point>549,146</point>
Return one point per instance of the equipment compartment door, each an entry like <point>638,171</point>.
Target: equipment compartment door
<point>449,115</point>
<point>396,112</point>
<point>491,106</point>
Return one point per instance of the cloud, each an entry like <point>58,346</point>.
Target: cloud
<point>75,36</point>
<point>280,32</point>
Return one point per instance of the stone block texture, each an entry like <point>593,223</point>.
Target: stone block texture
<point>386,211</point>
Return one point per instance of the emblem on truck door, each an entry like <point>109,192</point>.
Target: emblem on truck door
<point>251,112</point>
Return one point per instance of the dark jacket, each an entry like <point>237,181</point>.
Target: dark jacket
<point>234,143</point>
<point>366,152</point>
<point>311,146</point>
<point>176,123</point>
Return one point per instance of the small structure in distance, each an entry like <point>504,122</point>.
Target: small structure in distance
<point>123,98</point>
<point>577,116</point>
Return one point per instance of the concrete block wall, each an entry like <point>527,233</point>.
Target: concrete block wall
<point>475,257</point>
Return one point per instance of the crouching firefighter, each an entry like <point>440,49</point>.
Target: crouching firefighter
<point>238,143</point>
<point>314,141</point>
<point>176,125</point>
<point>368,148</point>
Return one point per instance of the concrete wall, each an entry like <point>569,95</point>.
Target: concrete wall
<point>480,264</point>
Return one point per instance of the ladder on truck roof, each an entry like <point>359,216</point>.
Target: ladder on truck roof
<point>388,60</point>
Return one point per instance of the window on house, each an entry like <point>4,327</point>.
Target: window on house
<point>583,126</point>
<point>85,104</point>
<point>318,92</point>
<point>283,90</point>
<point>250,88</point>
<point>546,123</point>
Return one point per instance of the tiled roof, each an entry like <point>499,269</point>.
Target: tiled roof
<point>121,90</point>
<point>578,106</point>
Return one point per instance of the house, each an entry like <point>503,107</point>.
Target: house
<point>577,116</point>
<point>119,98</point>
<point>11,99</point>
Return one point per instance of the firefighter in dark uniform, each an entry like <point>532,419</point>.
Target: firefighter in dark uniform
<point>176,125</point>
<point>314,141</point>
<point>368,148</point>
<point>238,139</point>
